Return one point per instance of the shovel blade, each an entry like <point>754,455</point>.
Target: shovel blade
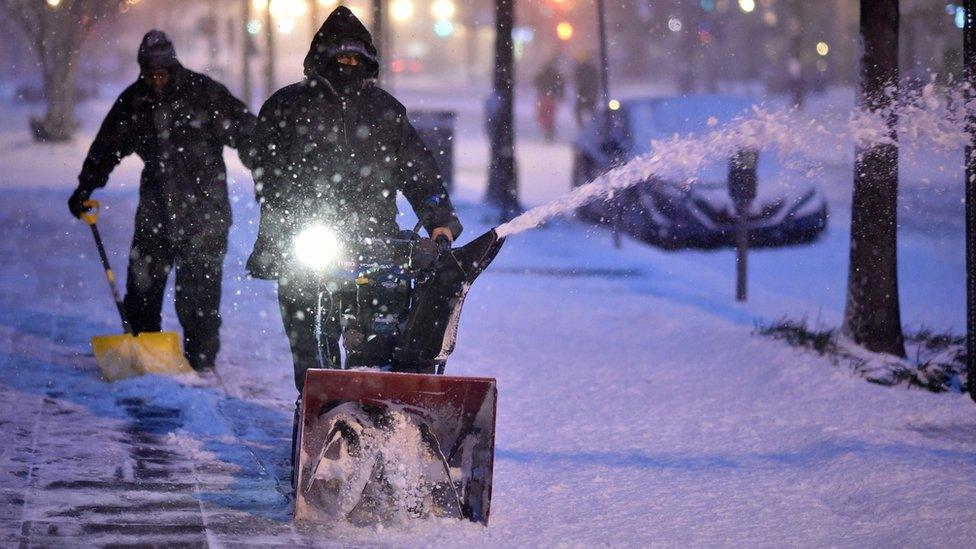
<point>378,444</point>
<point>125,355</point>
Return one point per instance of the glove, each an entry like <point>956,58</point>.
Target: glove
<point>76,204</point>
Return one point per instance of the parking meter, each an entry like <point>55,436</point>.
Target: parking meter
<point>743,183</point>
<point>742,177</point>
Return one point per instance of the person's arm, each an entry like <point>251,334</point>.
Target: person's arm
<point>234,124</point>
<point>113,142</point>
<point>422,185</point>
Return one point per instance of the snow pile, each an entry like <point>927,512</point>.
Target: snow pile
<point>935,361</point>
<point>927,120</point>
<point>376,467</point>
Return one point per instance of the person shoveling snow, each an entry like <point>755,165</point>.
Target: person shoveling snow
<point>178,122</point>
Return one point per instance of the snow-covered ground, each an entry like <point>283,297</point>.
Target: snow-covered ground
<point>636,407</point>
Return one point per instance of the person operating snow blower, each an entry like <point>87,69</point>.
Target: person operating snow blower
<point>178,122</point>
<point>335,149</point>
<point>332,152</point>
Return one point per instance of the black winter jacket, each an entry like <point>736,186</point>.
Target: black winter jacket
<point>338,159</point>
<point>180,136</point>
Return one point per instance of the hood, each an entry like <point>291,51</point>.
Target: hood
<point>341,32</point>
<point>156,52</point>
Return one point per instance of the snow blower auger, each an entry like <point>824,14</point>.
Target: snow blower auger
<point>375,445</point>
<point>395,441</point>
<point>127,355</point>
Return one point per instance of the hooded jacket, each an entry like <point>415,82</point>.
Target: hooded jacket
<point>338,158</point>
<point>180,135</point>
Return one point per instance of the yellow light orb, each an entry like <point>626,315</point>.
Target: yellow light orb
<point>401,10</point>
<point>747,5</point>
<point>288,9</point>
<point>564,31</point>
<point>442,9</point>
<point>614,105</point>
<point>822,48</point>
<point>54,3</point>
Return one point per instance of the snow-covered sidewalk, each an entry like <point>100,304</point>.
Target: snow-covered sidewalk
<point>636,407</point>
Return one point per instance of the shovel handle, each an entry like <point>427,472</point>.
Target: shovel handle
<point>90,217</point>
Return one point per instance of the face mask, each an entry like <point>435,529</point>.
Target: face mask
<point>347,78</point>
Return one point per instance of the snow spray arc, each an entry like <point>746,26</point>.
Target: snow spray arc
<point>929,118</point>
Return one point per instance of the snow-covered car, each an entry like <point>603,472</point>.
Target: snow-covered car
<point>697,211</point>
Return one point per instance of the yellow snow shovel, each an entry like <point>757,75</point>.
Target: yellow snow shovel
<point>128,355</point>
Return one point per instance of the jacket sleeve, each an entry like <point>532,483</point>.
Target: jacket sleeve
<point>421,182</point>
<point>268,155</point>
<point>234,123</point>
<point>114,141</point>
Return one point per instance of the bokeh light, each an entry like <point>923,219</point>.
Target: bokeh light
<point>443,28</point>
<point>442,9</point>
<point>291,9</point>
<point>401,10</point>
<point>564,30</point>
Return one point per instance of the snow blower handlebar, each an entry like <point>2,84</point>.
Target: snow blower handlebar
<point>90,216</point>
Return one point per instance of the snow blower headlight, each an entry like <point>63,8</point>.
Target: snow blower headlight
<point>317,247</point>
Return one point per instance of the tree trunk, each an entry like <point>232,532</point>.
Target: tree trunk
<point>59,69</point>
<point>872,317</point>
<point>247,50</point>
<point>269,68</point>
<point>969,70</point>
<point>380,38</point>
<point>502,177</point>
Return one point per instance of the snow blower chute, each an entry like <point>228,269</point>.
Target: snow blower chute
<point>400,440</point>
<point>127,355</point>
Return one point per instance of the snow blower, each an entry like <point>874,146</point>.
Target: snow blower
<point>396,440</point>
<point>127,355</point>
<point>374,445</point>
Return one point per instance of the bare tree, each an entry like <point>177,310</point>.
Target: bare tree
<point>872,317</point>
<point>57,29</point>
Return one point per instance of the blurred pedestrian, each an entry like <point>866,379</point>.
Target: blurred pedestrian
<point>586,79</point>
<point>178,122</point>
<point>551,87</point>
